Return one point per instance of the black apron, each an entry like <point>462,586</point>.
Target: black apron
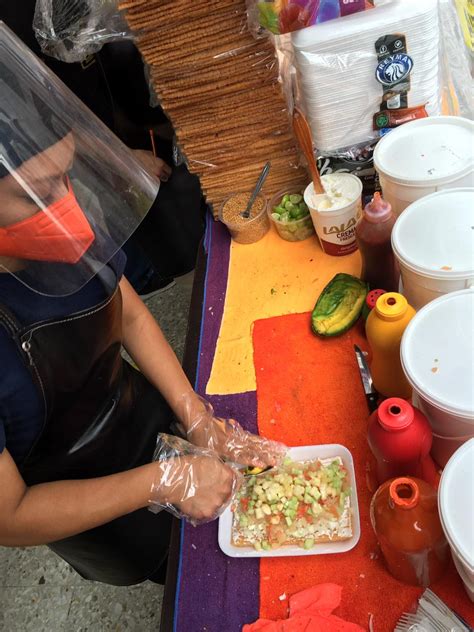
<point>101,417</point>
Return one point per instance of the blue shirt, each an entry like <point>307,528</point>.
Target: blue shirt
<point>21,406</point>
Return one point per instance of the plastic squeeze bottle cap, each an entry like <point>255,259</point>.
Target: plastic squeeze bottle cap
<point>391,306</point>
<point>377,210</point>
<point>395,414</point>
<point>404,492</point>
<point>370,301</point>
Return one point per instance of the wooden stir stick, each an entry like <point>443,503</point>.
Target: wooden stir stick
<point>303,135</point>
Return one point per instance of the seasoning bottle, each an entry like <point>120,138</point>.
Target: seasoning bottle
<point>384,328</point>
<point>405,518</point>
<point>374,238</point>
<point>400,439</point>
<point>370,301</point>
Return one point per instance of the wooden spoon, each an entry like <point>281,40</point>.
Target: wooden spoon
<point>303,135</point>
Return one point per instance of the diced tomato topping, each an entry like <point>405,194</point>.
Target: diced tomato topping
<point>302,510</point>
<point>244,503</point>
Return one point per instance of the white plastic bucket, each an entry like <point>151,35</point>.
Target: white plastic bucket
<point>425,156</point>
<point>456,509</point>
<point>443,448</point>
<point>433,241</point>
<point>437,356</point>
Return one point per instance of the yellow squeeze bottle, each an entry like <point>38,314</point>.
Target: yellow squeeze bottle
<point>384,328</point>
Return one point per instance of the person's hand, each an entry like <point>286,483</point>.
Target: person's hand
<point>152,164</point>
<point>199,487</point>
<point>191,482</point>
<point>227,437</point>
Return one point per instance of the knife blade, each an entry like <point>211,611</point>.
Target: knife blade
<point>371,394</point>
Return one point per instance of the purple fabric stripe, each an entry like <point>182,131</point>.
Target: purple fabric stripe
<point>218,249</point>
<point>216,593</point>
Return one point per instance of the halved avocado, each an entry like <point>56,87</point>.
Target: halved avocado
<point>339,305</point>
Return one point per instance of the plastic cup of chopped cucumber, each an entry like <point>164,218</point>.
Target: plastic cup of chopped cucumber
<point>290,215</point>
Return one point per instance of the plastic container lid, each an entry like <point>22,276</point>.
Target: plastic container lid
<point>427,152</point>
<point>434,236</point>
<point>456,503</point>
<point>437,353</point>
<point>372,297</point>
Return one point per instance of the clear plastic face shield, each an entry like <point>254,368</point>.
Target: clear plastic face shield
<point>71,193</point>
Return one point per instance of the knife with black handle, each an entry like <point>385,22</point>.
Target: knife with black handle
<point>371,394</point>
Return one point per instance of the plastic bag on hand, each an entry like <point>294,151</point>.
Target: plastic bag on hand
<point>71,30</point>
<point>191,482</point>
<point>227,437</point>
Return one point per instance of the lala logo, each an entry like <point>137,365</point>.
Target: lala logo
<point>394,69</point>
<point>340,229</point>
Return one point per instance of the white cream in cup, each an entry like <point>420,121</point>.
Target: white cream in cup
<point>336,212</point>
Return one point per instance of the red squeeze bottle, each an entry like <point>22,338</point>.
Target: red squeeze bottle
<point>404,515</point>
<point>400,439</point>
<point>374,238</point>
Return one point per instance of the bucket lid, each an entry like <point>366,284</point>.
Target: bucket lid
<point>427,152</point>
<point>435,235</point>
<point>456,502</point>
<point>437,353</point>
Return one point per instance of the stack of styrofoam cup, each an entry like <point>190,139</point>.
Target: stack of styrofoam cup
<point>336,64</point>
<point>456,510</point>
<point>433,240</point>
<point>425,156</point>
<point>437,356</point>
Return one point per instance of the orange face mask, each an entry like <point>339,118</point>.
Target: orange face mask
<point>60,233</point>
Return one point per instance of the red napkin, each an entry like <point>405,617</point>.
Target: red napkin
<point>310,611</point>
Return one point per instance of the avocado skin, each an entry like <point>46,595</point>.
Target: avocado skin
<point>339,305</point>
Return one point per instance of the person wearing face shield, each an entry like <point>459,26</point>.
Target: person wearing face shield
<point>85,448</point>
<point>111,82</point>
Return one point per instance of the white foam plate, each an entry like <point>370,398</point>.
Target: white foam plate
<point>304,453</point>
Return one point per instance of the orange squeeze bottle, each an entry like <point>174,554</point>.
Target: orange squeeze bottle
<point>405,518</point>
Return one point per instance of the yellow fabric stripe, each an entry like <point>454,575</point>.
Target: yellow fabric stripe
<point>270,278</point>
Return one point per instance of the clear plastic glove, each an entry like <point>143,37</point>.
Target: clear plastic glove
<point>191,482</point>
<point>227,437</point>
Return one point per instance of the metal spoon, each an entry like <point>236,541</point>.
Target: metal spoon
<point>256,191</point>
